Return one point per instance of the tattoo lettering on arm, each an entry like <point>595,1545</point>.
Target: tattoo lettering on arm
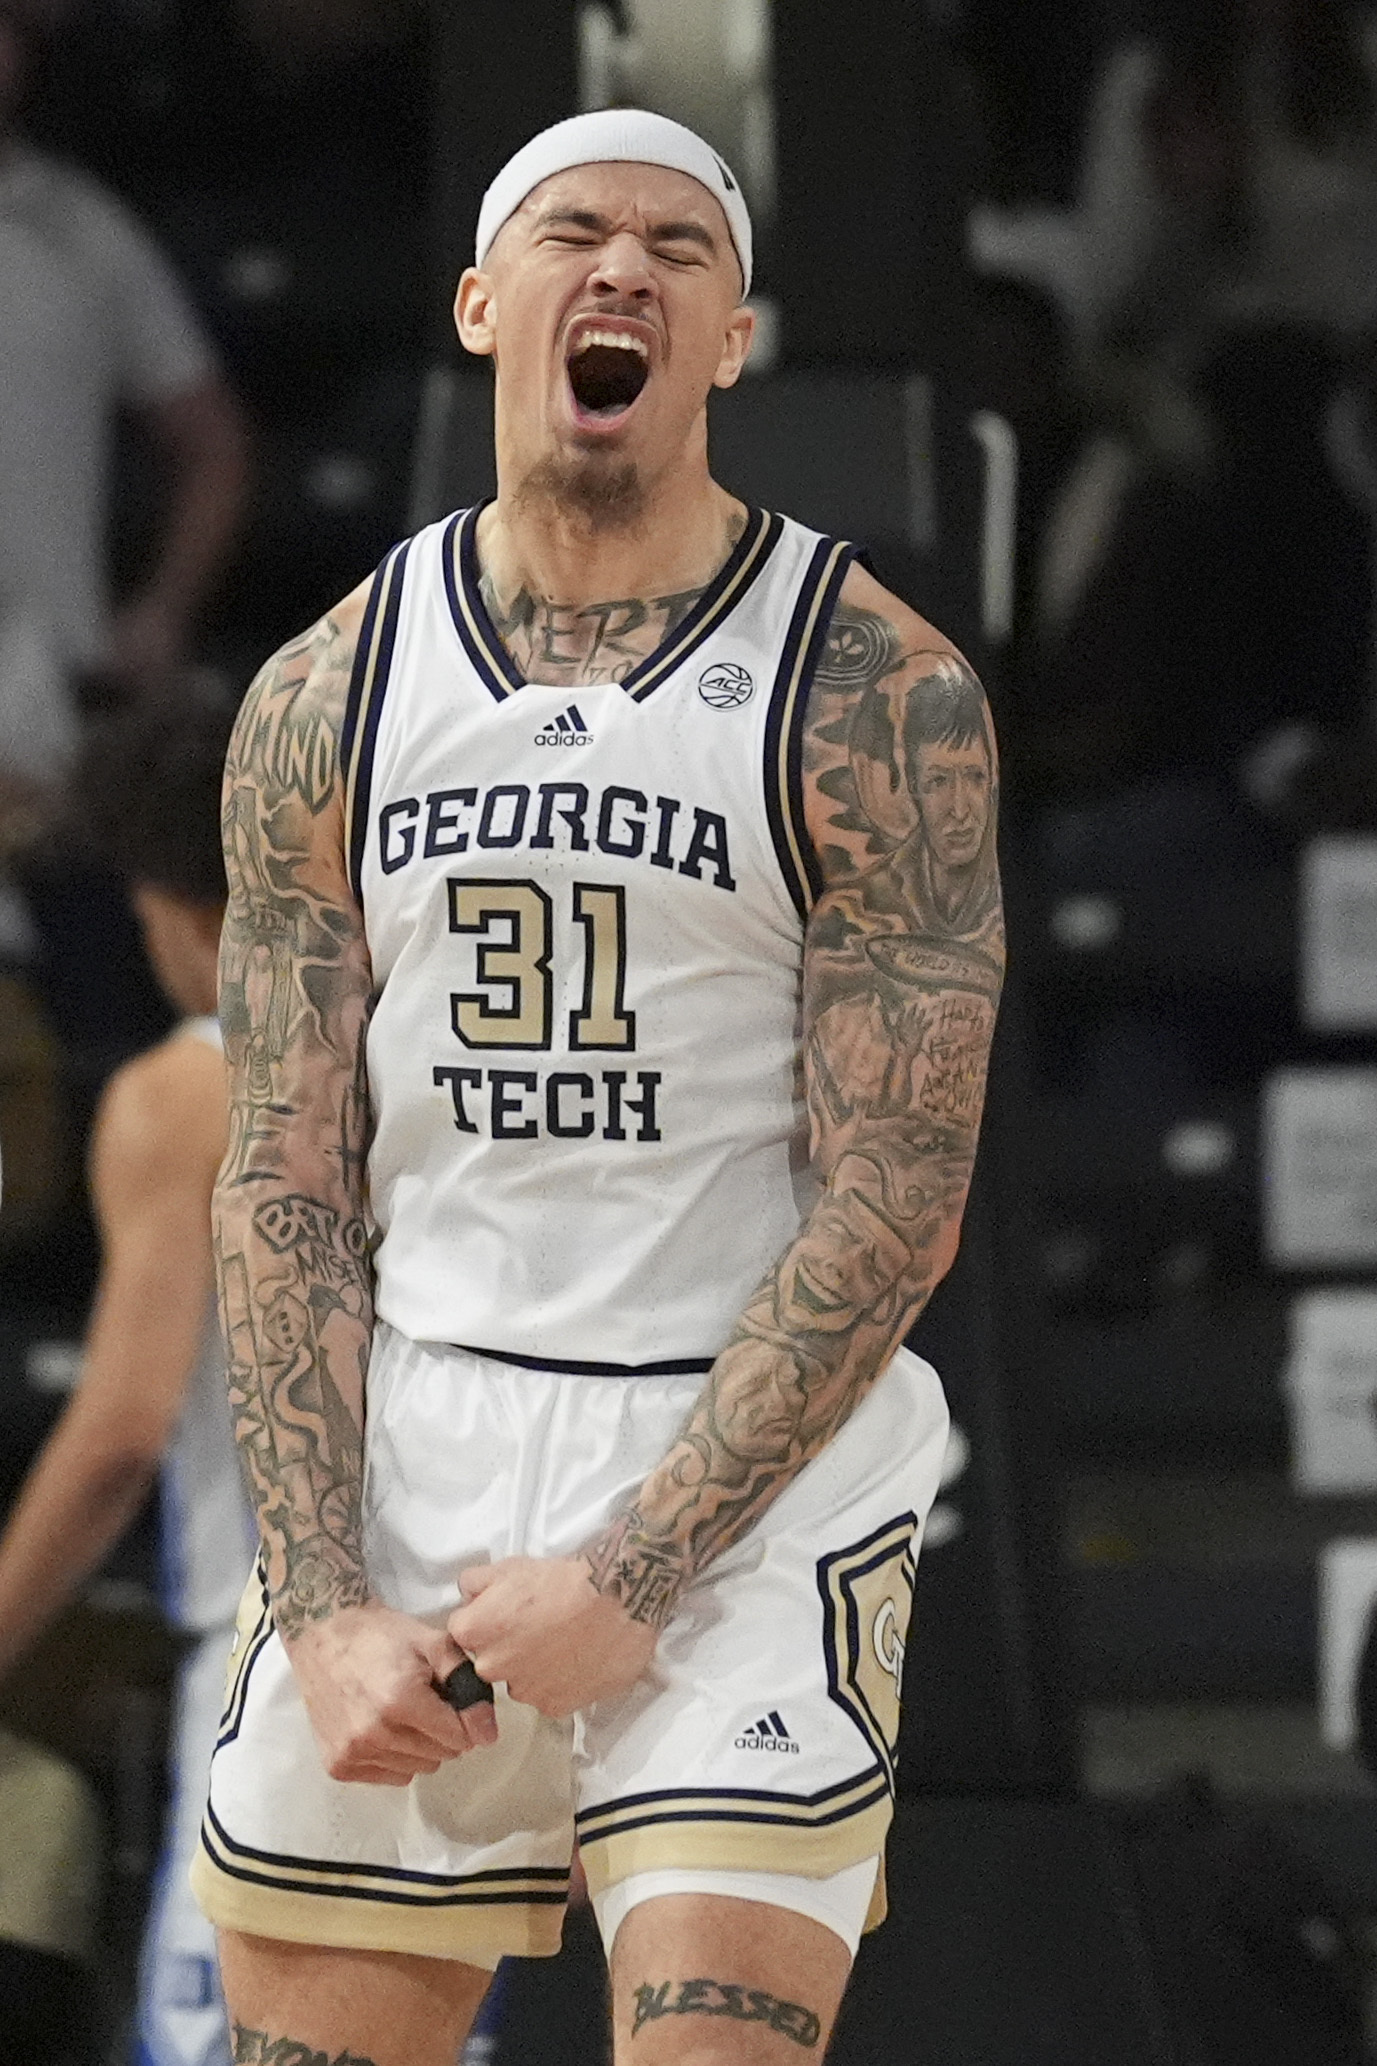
<point>291,1234</point>
<point>722,1998</point>
<point>903,964</point>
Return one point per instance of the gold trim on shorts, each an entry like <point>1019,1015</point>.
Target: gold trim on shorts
<point>867,1594</point>
<point>478,1917</point>
<point>741,1830</point>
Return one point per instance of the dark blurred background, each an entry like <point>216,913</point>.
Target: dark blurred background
<point>1069,313</point>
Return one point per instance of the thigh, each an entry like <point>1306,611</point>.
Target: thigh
<point>312,2005</point>
<point>762,1738</point>
<point>698,1980</point>
<point>466,1864</point>
<point>469,1863</point>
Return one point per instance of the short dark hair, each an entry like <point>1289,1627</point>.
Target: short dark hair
<point>947,709</point>
<point>146,790</point>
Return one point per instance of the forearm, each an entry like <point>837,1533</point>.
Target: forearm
<point>290,1232</point>
<point>792,1374</point>
<point>297,1311</point>
<point>81,1495</point>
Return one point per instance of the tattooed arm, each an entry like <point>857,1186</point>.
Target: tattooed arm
<point>902,968</point>
<point>903,960</point>
<point>290,1229</point>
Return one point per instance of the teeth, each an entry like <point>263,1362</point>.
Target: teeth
<point>616,339</point>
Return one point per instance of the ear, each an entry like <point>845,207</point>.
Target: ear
<point>475,313</point>
<point>736,348</point>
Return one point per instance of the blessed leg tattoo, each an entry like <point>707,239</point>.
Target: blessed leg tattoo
<point>725,1998</point>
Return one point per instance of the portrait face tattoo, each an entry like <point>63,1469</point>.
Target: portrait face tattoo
<point>952,791</point>
<point>844,1263</point>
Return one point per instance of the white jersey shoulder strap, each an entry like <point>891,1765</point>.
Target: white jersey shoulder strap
<point>814,605</point>
<point>363,705</point>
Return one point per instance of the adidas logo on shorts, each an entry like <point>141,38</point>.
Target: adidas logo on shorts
<point>769,1734</point>
<point>568,729</point>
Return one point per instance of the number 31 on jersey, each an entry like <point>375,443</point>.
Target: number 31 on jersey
<point>514,924</point>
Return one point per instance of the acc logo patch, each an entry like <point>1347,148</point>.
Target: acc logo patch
<point>725,686</point>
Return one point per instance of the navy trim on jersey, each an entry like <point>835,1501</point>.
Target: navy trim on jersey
<point>495,665</point>
<point>784,723</point>
<point>752,549</point>
<point>357,674</point>
<point>363,708</point>
<point>684,1366</point>
<point>494,668</point>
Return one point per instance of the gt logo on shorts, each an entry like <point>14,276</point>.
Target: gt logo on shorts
<point>889,1644</point>
<point>867,1594</point>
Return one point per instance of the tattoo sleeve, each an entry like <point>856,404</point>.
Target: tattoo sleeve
<point>903,962</point>
<point>291,1235</point>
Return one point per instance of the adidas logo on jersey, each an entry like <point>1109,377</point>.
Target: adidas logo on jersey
<point>569,729</point>
<point>767,1734</point>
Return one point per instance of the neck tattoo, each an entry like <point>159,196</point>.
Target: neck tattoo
<point>566,645</point>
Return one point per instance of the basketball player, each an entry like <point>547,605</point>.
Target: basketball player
<point>152,1382</point>
<point>535,846</point>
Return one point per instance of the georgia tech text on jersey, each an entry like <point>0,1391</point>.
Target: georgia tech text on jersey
<point>506,817</point>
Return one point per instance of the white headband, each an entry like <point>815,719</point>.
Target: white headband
<point>628,135</point>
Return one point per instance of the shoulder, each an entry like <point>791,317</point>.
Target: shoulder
<point>901,776</point>
<point>289,724</point>
<point>874,635</point>
<point>161,1126</point>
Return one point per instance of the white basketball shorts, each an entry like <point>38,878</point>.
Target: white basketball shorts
<point>761,1740</point>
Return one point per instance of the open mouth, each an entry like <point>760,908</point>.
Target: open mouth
<point>607,371</point>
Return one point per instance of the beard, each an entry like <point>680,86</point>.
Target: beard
<point>600,492</point>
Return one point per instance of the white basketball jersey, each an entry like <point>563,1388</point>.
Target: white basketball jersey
<point>208,1532</point>
<point>585,913</point>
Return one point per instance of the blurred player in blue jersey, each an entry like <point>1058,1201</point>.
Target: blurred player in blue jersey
<point>152,1392</point>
